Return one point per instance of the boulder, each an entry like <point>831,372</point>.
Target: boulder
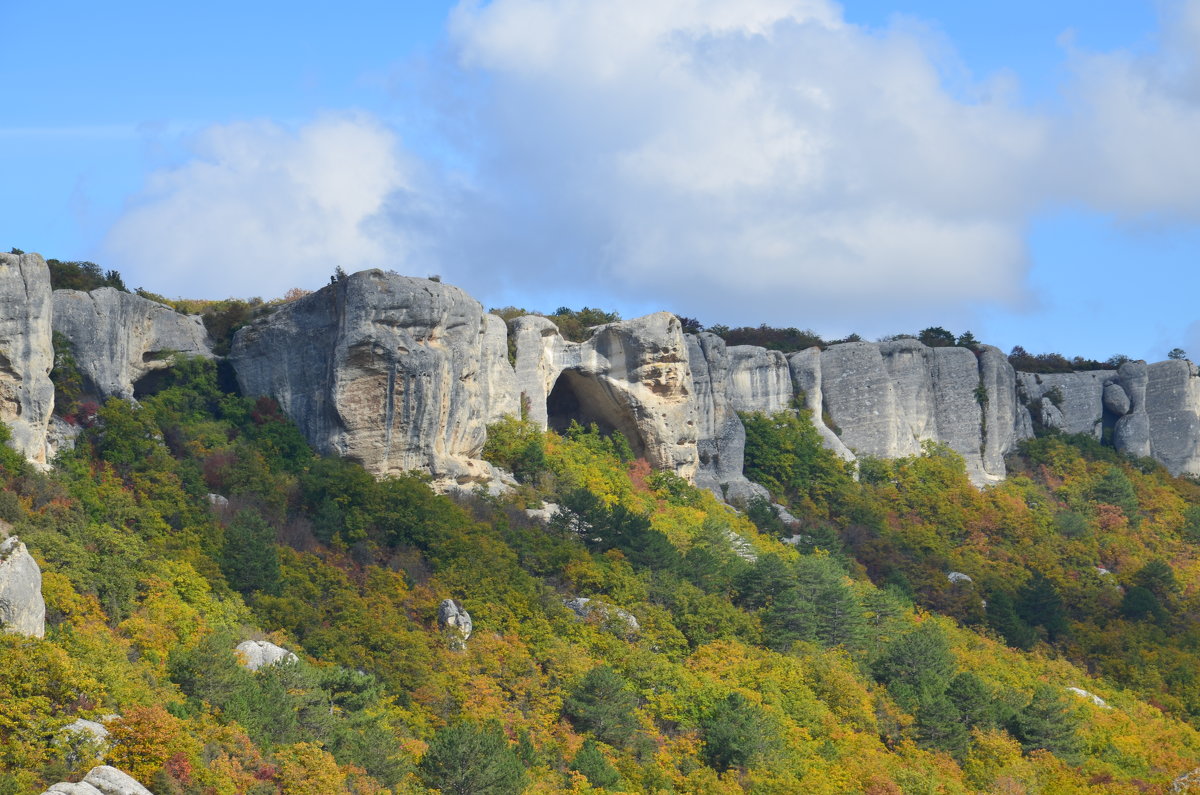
<point>396,373</point>
<point>255,654</point>
<point>454,618</point>
<point>1116,399</point>
<point>1092,697</point>
<point>121,340</point>
<point>101,780</point>
<point>621,621</point>
<point>26,353</point>
<point>22,609</point>
<point>632,376</point>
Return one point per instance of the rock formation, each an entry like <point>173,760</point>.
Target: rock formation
<point>119,339</point>
<point>632,376</point>
<point>26,352</point>
<point>1068,402</point>
<point>101,780</point>
<point>720,436</point>
<point>22,609</point>
<point>455,619</point>
<point>396,373</point>
<point>255,654</point>
<point>615,619</point>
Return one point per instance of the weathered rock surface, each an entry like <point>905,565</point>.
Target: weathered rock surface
<point>806,378</point>
<point>22,609</point>
<point>101,780</point>
<point>720,436</point>
<point>887,398</point>
<point>118,338</point>
<point>396,373</point>
<point>632,376</point>
<point>615,618</point>
<point>1069,402</point>
<point>454,618</point>
<point>255,654</point>
<point>758,380</point>
<point>1173,414</point>
<point>26,352</point>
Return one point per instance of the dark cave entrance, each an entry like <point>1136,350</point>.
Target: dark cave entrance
<point>585,400</point>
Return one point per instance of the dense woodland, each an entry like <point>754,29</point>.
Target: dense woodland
<point>833,655</point>
<point>907,633</point>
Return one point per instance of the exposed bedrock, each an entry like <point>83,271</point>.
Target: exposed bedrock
<point>121,341</point>
<point>1068,402</point>
<point>720,435</point>
<point>887,398</point>
<point>26,352</point>
<point>394,372</point>
<point>632,376</point>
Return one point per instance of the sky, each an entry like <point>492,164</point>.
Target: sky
<point>1024,170</point>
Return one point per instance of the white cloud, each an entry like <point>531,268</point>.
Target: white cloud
<point>764,152</point>
<point>1129,145</point>
<point>261,209</point>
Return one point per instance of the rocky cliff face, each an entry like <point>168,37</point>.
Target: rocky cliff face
<point>26,352</point>
<point>120,339</point>
<point>720,436</point>
<point>387,370</point>
<point>632,376</point>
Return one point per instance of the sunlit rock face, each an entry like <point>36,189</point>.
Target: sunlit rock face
<point>394,372</point>
<point>121,341</point>
<point>26,352</point>
<point>632,376</point>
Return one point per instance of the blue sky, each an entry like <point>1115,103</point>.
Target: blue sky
<point>1024,170</point>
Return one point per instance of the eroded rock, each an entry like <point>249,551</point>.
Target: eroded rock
<point>614,618</point>
<point>119,339</point>
<point>22,609</point>
<point>101,780</point>
<point>255,654</point>
<point>632,376</point>
<point>396,373</point>
<point>455,619</point>
<point>26,353</point>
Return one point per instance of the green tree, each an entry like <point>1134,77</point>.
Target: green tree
<point>1177,354</point>
<point>592,764</point>
<point>249,559</point>
<point>469,759</point>
<point>1039,603</point>
<point>917,666</point>
<point>936,337</point>
<point>603,703</point>
<point>1050,722</point>
<point>735,733</point>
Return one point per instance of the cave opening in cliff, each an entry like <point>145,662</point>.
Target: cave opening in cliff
<point>581,397</point>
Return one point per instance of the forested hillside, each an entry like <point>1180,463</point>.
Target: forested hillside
<point>908,633</point>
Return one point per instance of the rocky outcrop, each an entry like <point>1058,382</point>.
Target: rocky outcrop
<point>26,352</point>
<point>22,609</point>
<point>720,436</point>
<point>887,398</point>
<point>615,619</point>
<point>1172,405</point>
<point>758,380</point>
<point>1068,402</point>
<point>632,376</point>
<point>456,621</point>
<point>806,377</point>
<point>396,373</point>
<point>102,780</point>
<point>119,340</point>
<point>255,654</point>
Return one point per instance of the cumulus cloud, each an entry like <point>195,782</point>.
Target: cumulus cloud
<point>261,208</point>
<point>1128,144</point>
<point>762,160</point>
<point>762,153</point>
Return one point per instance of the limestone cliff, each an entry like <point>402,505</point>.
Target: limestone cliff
<point>120,339</point>
<point>22,609</point>
<point>632,376</point>
<point>26,352</point>
<point>396,373</point>
<point>720,436</point>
